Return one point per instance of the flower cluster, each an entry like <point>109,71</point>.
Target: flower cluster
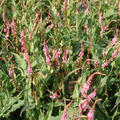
<point>56,55</point>
<point>65,54</point>
<point>87,98</point>
<point>26,55</point>
<point>114,55</point>
<point>87,85</point>
<point>10,27</point>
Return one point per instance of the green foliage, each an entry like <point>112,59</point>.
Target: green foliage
<point>27,96</point>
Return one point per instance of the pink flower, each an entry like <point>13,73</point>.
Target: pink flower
<point>100,17</point>
<point>85,89</point>
<point>96,63</point>
<point>114,40</point>
<point>85,103</point>
<point>87,85</point>
<point>56,55</point>
<point>65,54</point>
<point>114,55</point>
<point>13,27</point>
<point>50,26</point>
<point>83,3</point>
<point>64,116</point>
<point>104,64</point>
<point>90,115</point>
<point>86,10</point>
<point>22,41</point>
<point>54,95</point>
<point>29,69</point>
<point>10,72</point>
<point>7,30</point>
<point>46,53</point>
<point>26,56</point>
<point>92,95</point>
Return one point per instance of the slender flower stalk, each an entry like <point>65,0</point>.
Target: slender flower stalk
<point>37,23</point>
<point>90,115</point>
<point>64,116</point>
<point>87,85</point>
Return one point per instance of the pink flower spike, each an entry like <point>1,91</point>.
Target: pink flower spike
<point>87,85</point>
<point>64,116</point>
<point>92,95</point>
<point>85,89</point>
<point>114,55</point>
<point>30,69</point>
<point>13,28</point>
<point>85,103</point>
<point>46,53</point>
<point>65,54</point>
<point>56,55</point>
<point>104,64</point>
<point>90,115</point>
<point>22,40</point>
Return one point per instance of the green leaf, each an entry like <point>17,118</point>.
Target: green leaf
<point>20,61</point>
<point>49,112</point>
<point>109,13</point>
<point>103,82</point>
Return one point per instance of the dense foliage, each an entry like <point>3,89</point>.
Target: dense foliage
<point>59,59</point>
